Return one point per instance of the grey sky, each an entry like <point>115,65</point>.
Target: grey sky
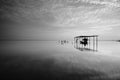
<point>60,19</point>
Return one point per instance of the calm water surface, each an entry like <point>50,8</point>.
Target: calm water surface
<point>106,60</point>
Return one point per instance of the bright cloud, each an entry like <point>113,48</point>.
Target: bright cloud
<point>88,14</point>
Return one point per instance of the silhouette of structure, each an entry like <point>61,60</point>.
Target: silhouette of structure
<point>62,42</point>
<point>89,43</point>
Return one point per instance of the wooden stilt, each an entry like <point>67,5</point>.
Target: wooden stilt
<point>96,43</point>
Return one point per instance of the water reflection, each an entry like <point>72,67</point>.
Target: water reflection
<point>77,45</point>
<point>63,42</point>
<point>81,47</point>
<point>45,56</point>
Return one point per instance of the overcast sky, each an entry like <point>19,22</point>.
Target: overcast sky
<point>59,19</point>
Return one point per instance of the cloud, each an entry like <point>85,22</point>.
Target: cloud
<point>71,13</point>
<point>94,16</point>
<point>69,16</point>
<point>112,3</point>
<point>59,12</point>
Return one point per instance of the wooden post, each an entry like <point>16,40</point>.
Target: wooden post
<point>93,43</point>
<point>96,43</point>
<point>89,42</point>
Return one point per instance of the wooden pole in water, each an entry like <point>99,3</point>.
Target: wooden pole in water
<point>93,43</point>
<point>78,42</point>
<point>96,43</point>
<point>89,42</point>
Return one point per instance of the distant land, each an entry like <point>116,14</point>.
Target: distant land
<point>118,40</point>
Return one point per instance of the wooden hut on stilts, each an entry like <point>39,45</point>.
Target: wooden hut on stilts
<point>86,42</point>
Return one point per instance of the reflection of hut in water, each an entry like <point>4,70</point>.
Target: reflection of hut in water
<point>88,43</point>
